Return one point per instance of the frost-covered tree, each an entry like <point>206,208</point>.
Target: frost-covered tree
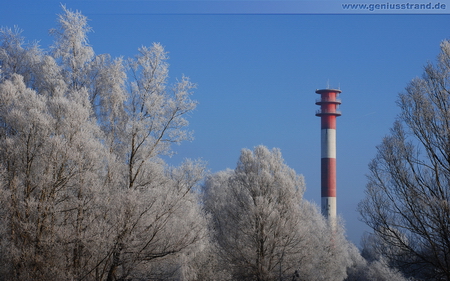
<point>52,160</point>
<point>84,192</point>
<point>408,190</point>
<point>156,112</point>
<point>370,266</point>
<point>264,229</point>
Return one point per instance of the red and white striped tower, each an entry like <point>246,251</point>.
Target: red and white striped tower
<point>329,110</point>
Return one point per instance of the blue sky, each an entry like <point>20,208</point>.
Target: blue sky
<point>257,72</point>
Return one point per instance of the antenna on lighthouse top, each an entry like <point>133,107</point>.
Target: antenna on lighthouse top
<point>328,83</point>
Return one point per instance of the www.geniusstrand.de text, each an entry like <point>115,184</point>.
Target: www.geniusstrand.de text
<point>394,6</point>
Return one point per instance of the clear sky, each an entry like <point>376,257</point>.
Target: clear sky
<point>257,65</point>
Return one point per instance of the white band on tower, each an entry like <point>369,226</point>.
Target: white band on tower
<point>329,206</point>
<point>328,140</point>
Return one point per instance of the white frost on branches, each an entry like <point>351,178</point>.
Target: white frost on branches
<point>84,191</point>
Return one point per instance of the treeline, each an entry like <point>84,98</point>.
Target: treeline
<point>85,194</point>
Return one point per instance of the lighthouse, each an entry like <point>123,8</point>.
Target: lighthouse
<point>329,109</point>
